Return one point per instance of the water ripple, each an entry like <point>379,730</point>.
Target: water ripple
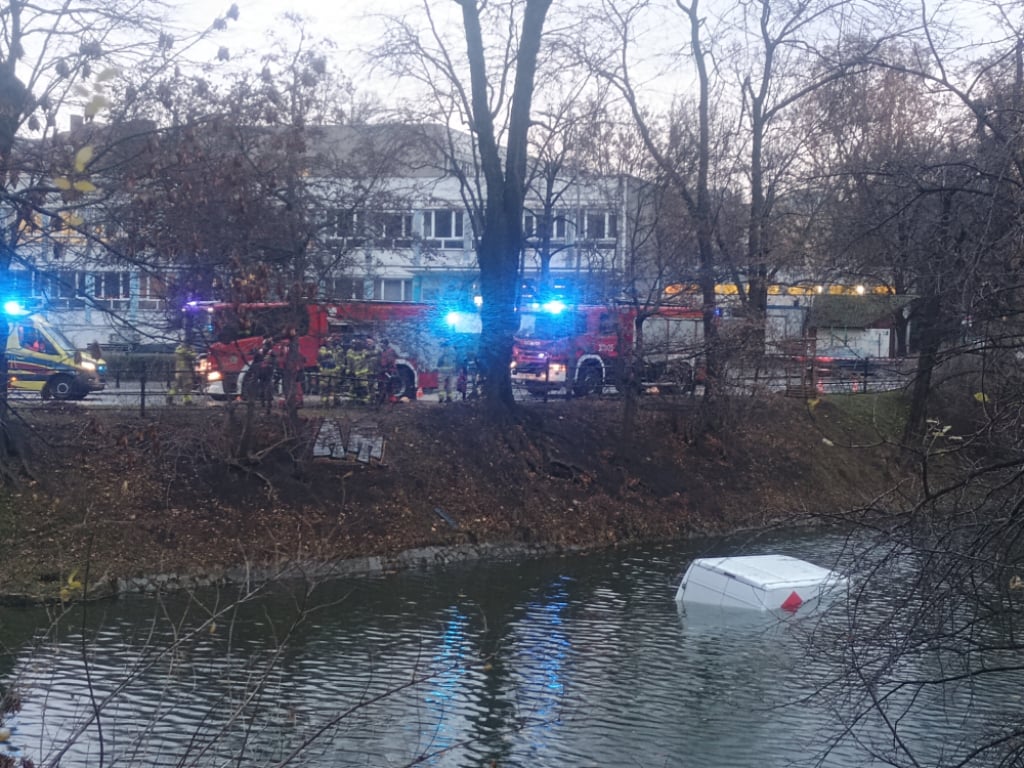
<point>570,661</point>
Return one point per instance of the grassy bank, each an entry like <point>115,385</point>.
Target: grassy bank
<point>115,496</point>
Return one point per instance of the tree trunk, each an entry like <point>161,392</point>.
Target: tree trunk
<point>928,320</point>
<point>501,241</point>
<point>757,270</point>
<point>499,320</point>
<point>902,326</point>
<point>5,329</point>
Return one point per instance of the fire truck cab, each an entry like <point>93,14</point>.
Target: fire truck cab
<point>584,348</point>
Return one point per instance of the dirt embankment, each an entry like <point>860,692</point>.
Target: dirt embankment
<point>107,495</point>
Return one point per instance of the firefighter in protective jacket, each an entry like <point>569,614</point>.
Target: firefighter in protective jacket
<point>447,370</point>
<point>293,372</point>
<point>361,369</point>
<point>259,383</point>
<point>329,369</point>
<point>184,374</point>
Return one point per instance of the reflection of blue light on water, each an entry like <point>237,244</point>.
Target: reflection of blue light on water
<point>449,667</point>
<point>546,647</point>
<point>553,649</point>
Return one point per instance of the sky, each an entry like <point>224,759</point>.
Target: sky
<point>349,24</point>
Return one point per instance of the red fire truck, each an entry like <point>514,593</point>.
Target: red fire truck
<point>228,335</point>
<point>559,346</point>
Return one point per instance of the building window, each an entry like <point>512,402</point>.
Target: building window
<point>62,284</point>
<point>391,289</point>
<point>342,223</point>
<point>68,284</point>
<point>560,226</point>
<point>344,288</point>
<point>538,226</point>
<point>152,286</point>
<point>442,224</point>
<point>390,227</point>
<point>602,226</point>
<point>396,226</point>
<point>112,285</point>
<point>21,282</point>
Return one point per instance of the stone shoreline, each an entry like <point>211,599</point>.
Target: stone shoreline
<point>249,577</point>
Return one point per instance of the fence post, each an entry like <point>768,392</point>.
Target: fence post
<point>142,393</point>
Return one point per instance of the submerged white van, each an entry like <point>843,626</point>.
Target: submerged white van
<point>759,583</point>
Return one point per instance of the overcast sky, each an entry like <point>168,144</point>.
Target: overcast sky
<point>349,24</point>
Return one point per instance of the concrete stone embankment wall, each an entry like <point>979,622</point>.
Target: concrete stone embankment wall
<point>245,576</point>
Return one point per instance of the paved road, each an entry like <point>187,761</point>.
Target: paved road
<point>130,394</point>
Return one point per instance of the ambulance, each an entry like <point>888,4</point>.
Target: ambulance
<point>40,358</point>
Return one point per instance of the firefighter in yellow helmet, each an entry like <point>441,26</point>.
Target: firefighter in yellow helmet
<point>360,367</point>
<point>447,371</point>
<point>328,371</point>
<point>184,374</point>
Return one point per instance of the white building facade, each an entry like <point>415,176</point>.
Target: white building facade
<point>422,250</point>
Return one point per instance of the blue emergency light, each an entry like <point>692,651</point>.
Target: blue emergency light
<point>463,322</point>
<point>14,308</point>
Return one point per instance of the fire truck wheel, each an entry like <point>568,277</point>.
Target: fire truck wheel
<point>681,376</point>
<point>588,381</point>
<point>246,386</point>
<point>401,384</point>
<point>60,387</point>
<point>623,387</point>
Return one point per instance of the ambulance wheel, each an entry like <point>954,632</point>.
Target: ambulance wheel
<point>60,387</point>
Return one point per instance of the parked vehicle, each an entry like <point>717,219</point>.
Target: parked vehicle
<point>581,348</point>
<point>228,335</point>
<point>40,358</point>
<point>835,360</point>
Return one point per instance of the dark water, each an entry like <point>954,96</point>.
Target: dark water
<point>573,661</point>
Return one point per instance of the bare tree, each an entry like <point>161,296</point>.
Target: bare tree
<point>58,57</point>
<point>491,92</point>
<point>554,169</point>
<point>949,554</point>
<point>787,52</point>
<point>263,187</point>
<point>687,171</point>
